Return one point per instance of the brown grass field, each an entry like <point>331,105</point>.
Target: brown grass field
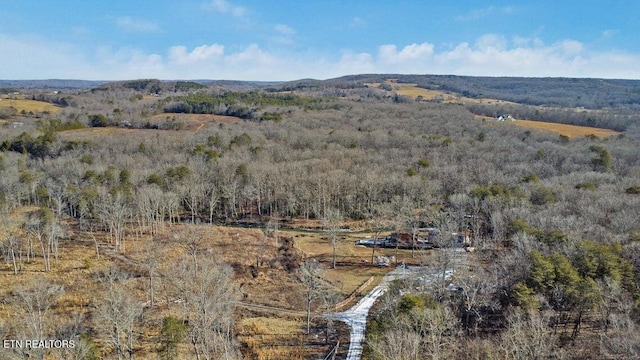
<point>29,106</point>
<point>412,90</point>
<point>192,123</point>
<point>274,329</point>
<point>571,131</point>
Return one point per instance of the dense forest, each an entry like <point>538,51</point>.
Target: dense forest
<point>553,218</point>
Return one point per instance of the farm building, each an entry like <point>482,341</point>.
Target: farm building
<point>505,118</point>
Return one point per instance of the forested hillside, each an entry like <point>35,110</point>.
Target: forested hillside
<point>553,220</point>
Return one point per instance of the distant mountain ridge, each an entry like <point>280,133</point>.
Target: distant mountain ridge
<point>59,84</point>
<point>565,92</point>
<point>568,92</point>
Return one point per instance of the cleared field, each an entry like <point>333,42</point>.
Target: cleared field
<point>23,105</point>
<point>195,122</point>
<point>412,90</point>
<point>354,262</point>
<point>570,131</point>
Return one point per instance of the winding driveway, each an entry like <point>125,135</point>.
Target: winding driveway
<point>356,317</point>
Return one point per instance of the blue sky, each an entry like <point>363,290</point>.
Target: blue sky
<point>288,40</point>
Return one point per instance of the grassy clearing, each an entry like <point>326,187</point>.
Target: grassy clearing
<point>412,90</point>
<point>194,122</point>
<point>191,123</point>
<point>571,131</point>
<point>29,106</point>
<point>354,262</point>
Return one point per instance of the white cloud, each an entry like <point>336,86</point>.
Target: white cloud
<point>389,54</point>
<point>519,41</point>
<point>569,47</point>
<point>130,24</point>
<point>33,57</point>
<point>225,7</point>
<point>460,52</point>
<point>141,63</point>
<point>491,43</point>
<point>122,63</point>
<point>354,63</point>
<point>490,55</point>
<point>284,35</point>
<point>285,30</point>
<point>251,55</point>
<point>179,54</point>
<point>607,34</point>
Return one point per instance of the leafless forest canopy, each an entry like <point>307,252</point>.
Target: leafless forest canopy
<point>553,218</point>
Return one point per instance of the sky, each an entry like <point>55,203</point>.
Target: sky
<point>267,40</point>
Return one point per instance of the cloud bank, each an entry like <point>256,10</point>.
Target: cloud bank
<point>489,55</point>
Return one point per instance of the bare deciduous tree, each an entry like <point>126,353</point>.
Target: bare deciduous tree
<point>423,333</point>
<point>317,288</point>
<point>527,336</point>
<point>35,300</point>
<point>331,222</point>
<point>378,222</point>
<point>208,297</point>
<point>114,211</point>
<point>45,228</point>
<point>12,249</point>
<point>118,313</point>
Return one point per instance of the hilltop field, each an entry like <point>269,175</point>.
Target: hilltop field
<point>178,219</point>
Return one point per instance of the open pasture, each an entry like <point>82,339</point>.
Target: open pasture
<point>28,106</point>
<point>570,131</point>
<point>412,90</point>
